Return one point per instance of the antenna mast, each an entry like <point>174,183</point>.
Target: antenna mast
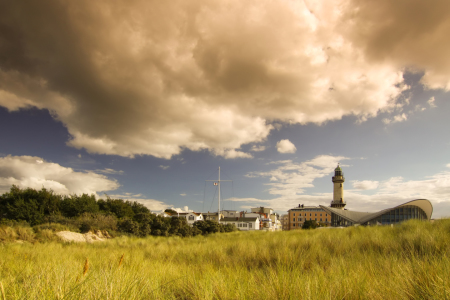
<point>218,184</point>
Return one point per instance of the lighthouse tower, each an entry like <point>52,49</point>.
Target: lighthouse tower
<point>338,189</point>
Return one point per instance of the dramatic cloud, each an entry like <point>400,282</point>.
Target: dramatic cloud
<point>286,146</point>
<point>34,172</point>
<point>153,78</point>
<point>365,184</point>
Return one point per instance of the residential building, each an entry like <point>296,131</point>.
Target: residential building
<point>285,222</point>
<point>245,224</point>
<point>230,213</point>
<point>212,216</point>
<point>191,217</point>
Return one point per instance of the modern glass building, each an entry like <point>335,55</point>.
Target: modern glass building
<point>420,209</point>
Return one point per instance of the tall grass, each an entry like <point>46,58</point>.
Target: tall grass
<point>410,261</point>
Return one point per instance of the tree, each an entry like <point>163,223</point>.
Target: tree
<point>208,226</point>
<point>310,224</point>
<point>170,212</point>
<point>128,226</point>
<point>74,205</point>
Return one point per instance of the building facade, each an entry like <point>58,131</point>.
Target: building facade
<point>298,215</point>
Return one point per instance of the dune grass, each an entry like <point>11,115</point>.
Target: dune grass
<point>409,261</point>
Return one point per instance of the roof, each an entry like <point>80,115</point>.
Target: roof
<point>239,219</point>
<point>362,217</point>
<point>306,207</point>
<point>187,213</point>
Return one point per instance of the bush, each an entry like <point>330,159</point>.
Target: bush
<point>310,224</point>
<point>46,235</point>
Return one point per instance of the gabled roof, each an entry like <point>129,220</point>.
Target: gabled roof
<point>362,217</point>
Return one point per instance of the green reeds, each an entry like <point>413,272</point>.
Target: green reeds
<point>409,261</point>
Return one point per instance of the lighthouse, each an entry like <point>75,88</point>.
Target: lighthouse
<point>338,189</point>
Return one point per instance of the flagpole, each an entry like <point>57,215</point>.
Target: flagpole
<point>218,214</point>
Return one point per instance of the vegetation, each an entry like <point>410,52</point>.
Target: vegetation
<point>28,207</point>
<point>310,224</point>
<point>408,261</point>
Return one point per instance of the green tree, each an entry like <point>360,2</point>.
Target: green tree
<point>29,205</point>
<point>310,224</point>
<point>74,205</point>
<point>171,212</point>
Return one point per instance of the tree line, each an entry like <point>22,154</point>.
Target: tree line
<point>83,213</point>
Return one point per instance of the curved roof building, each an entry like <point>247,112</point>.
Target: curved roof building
<point>420,209</point>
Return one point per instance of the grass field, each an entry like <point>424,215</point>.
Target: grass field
<point>409,261</point>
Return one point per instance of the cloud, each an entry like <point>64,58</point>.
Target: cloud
<point>183,195</point>
<point>182,210</point>
<point>213,75</point>
<point>152,204</point>
<point>109,171</point>
<point>290,179</point>
<point>164,167</point>
<point>259,148</point>
<point>232,153</point>
<point>286,146</point>
<point>431,102</point>
<point>365,184</point>
<point>398,118</point>
<point>35,172</point>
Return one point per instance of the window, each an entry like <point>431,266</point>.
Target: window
<point>231,214</point>
<point>315,219</point>
<point>299,219</point>
<point>305,214</point>
<point>293,220</point>
<point>249,225</point>
<point>320,219</point>
<point>316,215</point>
<point>293,225</point>
<point>244,225</point>
<point>320,214</point>
<point>310,214</point>
<point>341,185</point>
<point>191,218</point>
<point>294,214</point>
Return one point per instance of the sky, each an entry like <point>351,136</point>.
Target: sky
<point>145,100</point>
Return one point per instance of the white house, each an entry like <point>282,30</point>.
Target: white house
<point>191,217</point>
<point>242,223</point>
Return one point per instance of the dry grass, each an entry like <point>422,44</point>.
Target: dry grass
<point>411,261</point>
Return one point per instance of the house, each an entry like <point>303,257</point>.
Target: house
<point>243,223</point>
<point>191,217</point>
<point>212,216</point>
<point>230,213</point>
